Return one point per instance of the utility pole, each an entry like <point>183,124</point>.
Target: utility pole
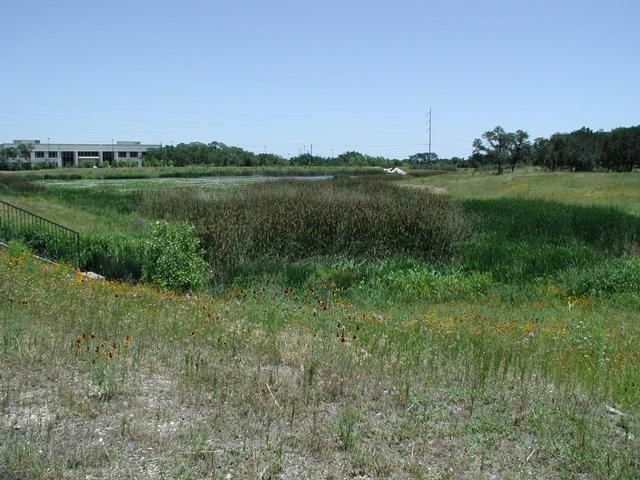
<point>312,149</point>
<point>429,124</point>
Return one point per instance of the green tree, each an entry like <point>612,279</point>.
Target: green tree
<point>495,145</point>
<point>540,152</point>
<point>8,153</point>
<point>557,144</point>
<point>24,152</point>
<point>520,146</point>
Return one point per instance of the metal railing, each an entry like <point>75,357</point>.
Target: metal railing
<point>47,238</point>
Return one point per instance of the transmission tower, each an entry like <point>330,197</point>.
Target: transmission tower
<point>429,130</point>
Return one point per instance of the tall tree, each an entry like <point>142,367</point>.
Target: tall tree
<point>540,152</point>
<point>557,155</point>
<point>496,145</point>
<point>519,147</point>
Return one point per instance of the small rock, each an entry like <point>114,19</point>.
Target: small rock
<point>613,411</point>
<point>92,276</point>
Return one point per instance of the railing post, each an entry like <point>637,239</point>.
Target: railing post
<point>77,250</point>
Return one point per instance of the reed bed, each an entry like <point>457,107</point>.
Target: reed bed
<point>299,219</point>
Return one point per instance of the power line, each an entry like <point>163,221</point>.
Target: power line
<point>201,123</point>
<point>193,112</point>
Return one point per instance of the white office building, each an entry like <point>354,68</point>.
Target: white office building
<point>77,154</point>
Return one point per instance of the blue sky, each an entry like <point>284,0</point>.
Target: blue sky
<point>341,75</point>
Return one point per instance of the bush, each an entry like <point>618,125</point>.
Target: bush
<point>173,257</point>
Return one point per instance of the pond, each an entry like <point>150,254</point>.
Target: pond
<point>136,183</point>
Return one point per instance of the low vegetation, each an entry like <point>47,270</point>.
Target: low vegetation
<point>279,381</point>
<point>348,329</point>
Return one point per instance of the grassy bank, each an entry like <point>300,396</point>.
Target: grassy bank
<point>126,382</point>
<point>341,341</point>
<point>618,190</point>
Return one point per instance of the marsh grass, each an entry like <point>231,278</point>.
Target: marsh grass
<point>294,220</point>
<point>12,184</point>
<point>520,239</point>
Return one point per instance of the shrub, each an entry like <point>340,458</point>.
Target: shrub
<point>170,255</point>
<point>173,257</point>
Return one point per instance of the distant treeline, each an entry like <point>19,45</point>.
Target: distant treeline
<point>580,150</point>
<point>219,154</point>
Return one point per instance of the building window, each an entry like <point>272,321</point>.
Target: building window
<point>122,154</point>
<point>39,154</point>
<point>133,154</point>
<point>53,154</point>
<point>88,154</point>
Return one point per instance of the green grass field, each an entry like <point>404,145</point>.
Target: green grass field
<point>512,353</point>
<point>621,190</point>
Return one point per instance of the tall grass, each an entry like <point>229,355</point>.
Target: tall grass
<point>519,239</point>
<point>293,220</point>
<point>122,201</point>
<point>12,184</point>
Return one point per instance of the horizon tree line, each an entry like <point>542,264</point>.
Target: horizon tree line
<point>580,150</point>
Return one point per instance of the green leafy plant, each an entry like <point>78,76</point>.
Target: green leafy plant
<point>173,257</point>
<point>17,249</point>
<point>347,428</point>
